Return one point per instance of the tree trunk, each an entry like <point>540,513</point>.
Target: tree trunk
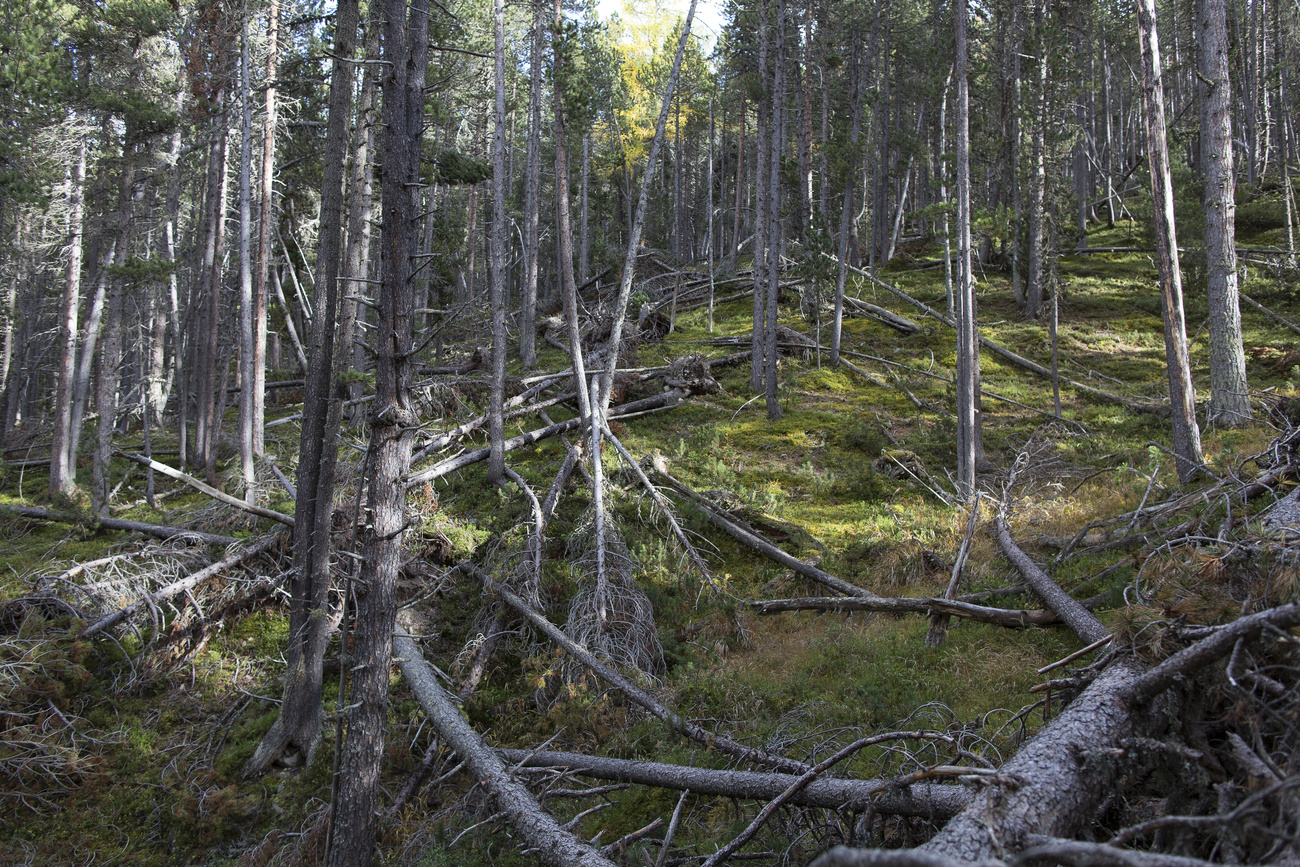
<point>1182,396</point>
<point>1229,397</point>
<point>264,227</point>
<point>532,196</point>
<point>63,463</point>
<point>497,256</point>
<point>247,351</point>
<point>354,818</point>
<point>1038,172</point>
<point>968,416</point>
<point>776,117</point>
<point>310,620</point>
<point>925,799</point>
<point>211,284</point>
<point>551,844</point>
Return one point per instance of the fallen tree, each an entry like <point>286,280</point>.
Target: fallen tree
<point>712,740</point>
<point>666,400</point>
<point>155,530</point>
<point>733,529</point>
<point>926,800</point>
<point>176,588</point>
<point>554,845</point>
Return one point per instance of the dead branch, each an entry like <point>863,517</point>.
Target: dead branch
<point>928,800</point>
<point>710,739</point>
<point>939,622</point>
<point>883,316</point>
<point>1269,313</point>
<point>155,530</point>
<point>728,525</point>
<point>243,555</point>
<point>554,845</point>
<point>212,492</point>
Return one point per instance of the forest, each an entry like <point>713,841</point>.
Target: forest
<point>856,432</point>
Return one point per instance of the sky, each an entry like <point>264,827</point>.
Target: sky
<point>707,22</point>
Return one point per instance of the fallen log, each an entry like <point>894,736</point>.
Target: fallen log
<point>929,800</point>
<point>711,740</point>
<point>243,555</point>
<point>220,496</point>
<point>156,530</point>
<point>666,400</point>
<point>553,845</point>
<point>930,605</point>
<point>885,317</point>
<point>1081,620</point>
<point>731,528</point>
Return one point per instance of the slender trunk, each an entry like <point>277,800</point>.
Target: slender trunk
<point>247,361</point>
<point>211,284</point>
<point>762,153</point>
<point>1038,169</point>
<point>310,619</point>
<point>584,233</point>
<point>497,255</point>
<point>355,818</point>
<point>846,215</point>
<point>264,227</point>
<point>532,196</point>
<point>777,117</point>
<point>63,465</point>
<point>968,416</point>
<point>1182,396</point>
<point>1229,398</point>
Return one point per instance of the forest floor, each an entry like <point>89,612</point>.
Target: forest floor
<point>128,749</point>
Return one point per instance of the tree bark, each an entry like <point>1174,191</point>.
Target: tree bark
<point>532,195</point>
<point>1229,397</point>
<point>968,358</point>
<point>1182,395</point>
<point>63,464</point>
<point>310,619</point>
<point>354,814</point>
<point>497,252</point>
<point>267,201</point>
<point>922,799</point>
<point>552,844</point>
<point>248,420</point>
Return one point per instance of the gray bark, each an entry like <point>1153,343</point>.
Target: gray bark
<point>1229,397</point>
<point>248,394</point>
<point>968,358</point>
<point>1182,395</point>
<point>354,814</point>
<point>552,844</point>
<point>310,620</point>
<point>497,252</point>
<point>63,464</point>
<point>923,799</point>
<point>532,195</point>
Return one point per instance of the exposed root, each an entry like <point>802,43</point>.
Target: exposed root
<point>614,618</point>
